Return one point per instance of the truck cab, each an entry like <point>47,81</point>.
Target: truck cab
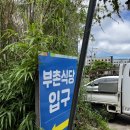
<point>101,84</point>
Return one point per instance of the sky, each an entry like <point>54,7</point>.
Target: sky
<point>114,39</point>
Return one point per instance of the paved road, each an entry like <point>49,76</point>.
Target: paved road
<point>120,123</point>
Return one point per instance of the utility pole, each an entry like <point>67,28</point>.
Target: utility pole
<point>89,20</point>
<point>92,54</point>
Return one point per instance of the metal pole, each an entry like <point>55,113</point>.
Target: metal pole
<point>88,25</point>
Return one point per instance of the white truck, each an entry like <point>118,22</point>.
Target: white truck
<point>111,91</point>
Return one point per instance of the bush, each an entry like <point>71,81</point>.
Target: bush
<point>86,117</point>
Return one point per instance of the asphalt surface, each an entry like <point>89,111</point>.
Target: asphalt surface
<point>121,122</point>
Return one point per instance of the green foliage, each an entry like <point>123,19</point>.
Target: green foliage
<point>107,10</point>
<point>56,32</point>
<point>16,98</point>
<point>86,117</point>
<point>86,70</point>
<point>17,81</point>
<point>98,68</point>
<point>27,29</point>
<point>101,65</point>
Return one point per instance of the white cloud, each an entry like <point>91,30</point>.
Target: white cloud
<point>115,38</point>
<point>114,32</point>
<point>115,49</point>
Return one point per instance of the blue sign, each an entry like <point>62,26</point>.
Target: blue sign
<point>57,75</point>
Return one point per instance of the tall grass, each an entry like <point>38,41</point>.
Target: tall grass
<point>86,117</point>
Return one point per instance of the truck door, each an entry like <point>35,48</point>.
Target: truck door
<point>126,90</point>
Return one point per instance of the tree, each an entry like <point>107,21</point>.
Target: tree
<point>98,68</point>
<point>54,27</point>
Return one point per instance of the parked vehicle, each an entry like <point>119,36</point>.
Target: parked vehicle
<point>95,85</point>
<point>111,91</point>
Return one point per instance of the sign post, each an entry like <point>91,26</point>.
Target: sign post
<point>57,75</point>
<point>87,30</point>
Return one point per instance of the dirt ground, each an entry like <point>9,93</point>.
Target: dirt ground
<point>121,122</point>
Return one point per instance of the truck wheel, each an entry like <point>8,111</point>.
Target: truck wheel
<point>112,117</point>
